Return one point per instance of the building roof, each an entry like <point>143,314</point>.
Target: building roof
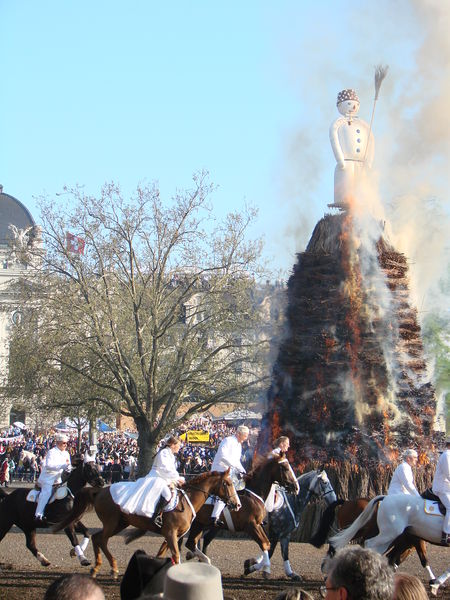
<point>12,212</point>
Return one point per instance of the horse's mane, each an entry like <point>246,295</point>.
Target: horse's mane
<point>200,478</point>
<point>259,463</point>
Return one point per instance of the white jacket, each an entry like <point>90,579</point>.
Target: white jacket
<point>228,455</point>
<point>165,466</point>
<point>55,462</point>
<point>441,481</point>
<point>403,481</point>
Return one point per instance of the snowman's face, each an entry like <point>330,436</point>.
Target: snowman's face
<point>348,107</point>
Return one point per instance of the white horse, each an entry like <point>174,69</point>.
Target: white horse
<point>395,514</point>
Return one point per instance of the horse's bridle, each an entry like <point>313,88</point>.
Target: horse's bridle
<point>283,485</point>
<point>322,494</point>
<point>207,494</point>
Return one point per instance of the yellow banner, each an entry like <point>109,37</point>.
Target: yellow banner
<point>196,435</point>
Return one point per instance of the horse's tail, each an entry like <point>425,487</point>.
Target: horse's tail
<point>134,534</point>
<point>342,538</point>
<point>320,537</point>
<point>84,499</point>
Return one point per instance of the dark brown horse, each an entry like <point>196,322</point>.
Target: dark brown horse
<point>174,523</point>
<point>342,513</point>
<point>250,516</point>
<point>15,509</point>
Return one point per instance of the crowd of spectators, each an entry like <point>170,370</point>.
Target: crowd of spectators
<point>117,451</point>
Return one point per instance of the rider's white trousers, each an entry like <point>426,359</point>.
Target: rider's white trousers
<point>44,497</point>
<point>218,508</point>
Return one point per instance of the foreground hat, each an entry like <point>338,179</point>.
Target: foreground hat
<point>61,437</point>
<point>197,581</point>
<point>144,574</point>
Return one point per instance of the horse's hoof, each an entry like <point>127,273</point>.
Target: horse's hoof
<point>247,565</point>
<point>115,574</point>
<point>85,562</point>
<point>72,553</point>
<point>265,575</point>
<point>93,573</point>
<point>295,577</point>
<point>45,563</point>
<point>432,582</point>
<point>189,555</point>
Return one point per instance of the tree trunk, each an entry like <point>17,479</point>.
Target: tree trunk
<point>79,429</point>
<point>147,444</point>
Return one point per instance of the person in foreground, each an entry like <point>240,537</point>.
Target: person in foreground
<point>74,587</point>
<point>409,587</point>
<point>441,487</point>
<point>55,463</point>
<point>359,574</point>
<point>149,495</point>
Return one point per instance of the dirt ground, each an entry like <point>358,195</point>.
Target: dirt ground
<point>23,578</point>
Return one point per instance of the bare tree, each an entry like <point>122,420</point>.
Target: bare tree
<point>156,319</point>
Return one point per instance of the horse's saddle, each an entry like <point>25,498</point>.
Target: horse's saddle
<point>59,492</point>
<point>433,506</point>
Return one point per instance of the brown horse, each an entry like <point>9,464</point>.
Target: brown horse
<point>250,516</point>
<point>174,523</point>
<point>342,513</point>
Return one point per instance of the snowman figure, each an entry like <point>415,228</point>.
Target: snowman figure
<point>353,148</point>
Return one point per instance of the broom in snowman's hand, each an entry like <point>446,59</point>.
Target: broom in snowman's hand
<point>380,74</point>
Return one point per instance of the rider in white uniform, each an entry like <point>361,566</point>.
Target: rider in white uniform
<point>403,479</point>
<point>55,463</point>
<point>228,455</point>
<point>148,495</point>
<point>441,487</point>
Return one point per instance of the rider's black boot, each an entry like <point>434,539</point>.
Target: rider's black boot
<point>157,515</point>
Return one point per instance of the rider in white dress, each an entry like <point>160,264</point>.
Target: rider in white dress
<point>402,481</point>
<point>228,455</point>
<point>148,495</point>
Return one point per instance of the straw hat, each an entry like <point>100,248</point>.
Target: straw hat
<point>198,581</point>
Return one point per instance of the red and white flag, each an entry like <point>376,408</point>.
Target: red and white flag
<point>74,243</point>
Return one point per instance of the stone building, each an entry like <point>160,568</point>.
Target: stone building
<point>18,232</point>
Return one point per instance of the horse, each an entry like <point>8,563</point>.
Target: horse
<point>15,509</point>
<point>175,523</point>
<point>342,513</point>
<point>284,520</point>
<point>394,514</point>
<point>250,516</point>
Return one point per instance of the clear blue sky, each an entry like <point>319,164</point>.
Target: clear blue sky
<point>102,90</point>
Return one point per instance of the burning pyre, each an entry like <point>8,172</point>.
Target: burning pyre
<point>350,385</point>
